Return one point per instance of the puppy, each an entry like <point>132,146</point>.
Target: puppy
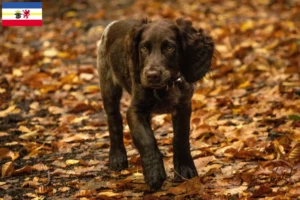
<point>157,63</point>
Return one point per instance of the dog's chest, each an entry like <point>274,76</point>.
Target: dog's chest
<point>166,101</point>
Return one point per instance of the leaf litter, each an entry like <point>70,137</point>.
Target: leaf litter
<point>245,124</point>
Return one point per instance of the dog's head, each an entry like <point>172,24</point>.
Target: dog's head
<point>163,51</point>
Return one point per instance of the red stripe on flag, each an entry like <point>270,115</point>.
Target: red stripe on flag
<point>22,22</point>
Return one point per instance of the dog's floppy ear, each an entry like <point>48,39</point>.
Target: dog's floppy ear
<point>133,41</point>
<point>198,50</point>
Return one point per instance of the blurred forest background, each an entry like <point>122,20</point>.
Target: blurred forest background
<point>245,136</point>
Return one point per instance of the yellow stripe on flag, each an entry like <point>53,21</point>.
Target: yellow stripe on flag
<point>12,14</point>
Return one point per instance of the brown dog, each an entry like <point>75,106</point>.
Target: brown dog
<point>157,63</point>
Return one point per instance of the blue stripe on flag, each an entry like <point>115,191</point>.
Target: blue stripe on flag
<point>21,5</point>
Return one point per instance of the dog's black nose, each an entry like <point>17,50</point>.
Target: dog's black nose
<point>153,76</point>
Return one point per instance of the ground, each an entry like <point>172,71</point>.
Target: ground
<point>245,137</point>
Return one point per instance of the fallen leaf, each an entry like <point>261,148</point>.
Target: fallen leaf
<point>262,191</point>
<point>29,136</point>
<point>3,134</point>
<point>51,52</point>
<point>236,190</point>
<point>6,153</point>
<point>25,169</point>
<point>11,109</point>
<point>7,169</point>
<point>91,89</point>
<point>29,183</point>
<point>189,187</point>
<point>93,185</point>
<point>108,194</point>
<point>2,183</point>
<point>236,145</point>
<point>43,190</point>
<point>64,189</point>
<point>72,162</point>
<point>203,161</point>
<point>77,137</point>
<point>40,167</point>
<point>84,193</point>
<point>294,153</point>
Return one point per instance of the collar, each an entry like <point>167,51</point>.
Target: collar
<point>175,82</point>
<point>171,84</point>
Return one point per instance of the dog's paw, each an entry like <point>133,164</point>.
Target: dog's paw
<point>154,173</point>
<point>185,172</point>
<point>118,160</point>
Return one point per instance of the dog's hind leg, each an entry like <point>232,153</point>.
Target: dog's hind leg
<point>111,94</point>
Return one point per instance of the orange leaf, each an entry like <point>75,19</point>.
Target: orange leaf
<point>4,153</point>
<point>7,169</point>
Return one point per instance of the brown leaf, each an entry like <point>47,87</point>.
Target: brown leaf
<point>236,145</point>
<point>81,107</point>
<point>278,149</point>
<point>11,109</point>
<point>294,192</point>
<point>26,169</point>
<point>296,176</point>
<point>2,134</point>
<point>37,80</point>
<point>236,190</point>
<point>189,187</point>
<point>202,162</point>
<point>43,190</point>
<point>33,183</point>
<point>84,193</point>
<point>94,185</point>
<point>6,153</point>
<point>77,137</point>
<point>64,189</point>
<point>7,169</point>
<point>2,183</point>
<point>294,153</point>
<point>40,167</point>
<point>108,194</point>
<point>29,136</point>
<point>263,190</point>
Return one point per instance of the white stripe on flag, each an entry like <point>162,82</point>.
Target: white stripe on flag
<point>22,18</point>
<point>13,10</point>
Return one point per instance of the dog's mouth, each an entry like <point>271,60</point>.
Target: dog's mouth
<point>154,85</point>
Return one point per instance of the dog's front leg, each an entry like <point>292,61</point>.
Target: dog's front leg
<point>183,163</point>
<point>144,140</point>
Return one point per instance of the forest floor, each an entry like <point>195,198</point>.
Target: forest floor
<point>245,137</point>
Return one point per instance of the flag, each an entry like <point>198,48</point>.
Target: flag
<point>22,14</point>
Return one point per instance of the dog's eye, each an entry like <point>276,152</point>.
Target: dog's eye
<point>170,49</point>
<point>144,50</point>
